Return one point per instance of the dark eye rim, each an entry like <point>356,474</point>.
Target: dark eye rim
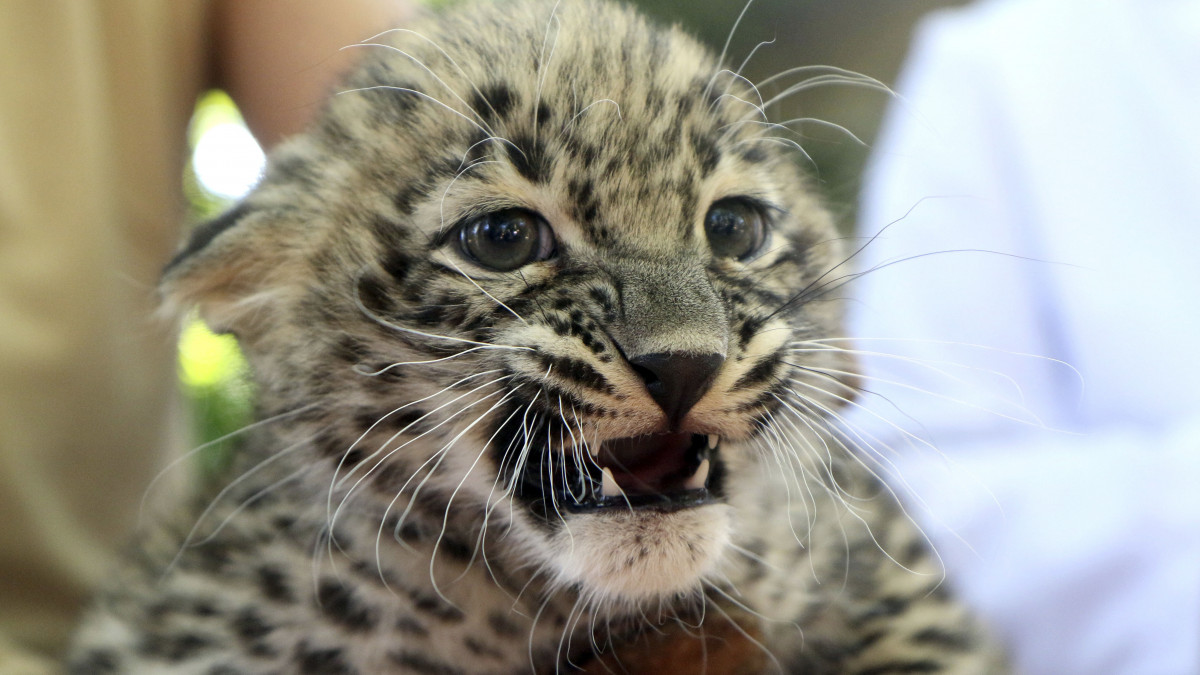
<point>546,247</point>
<point>761,209</point>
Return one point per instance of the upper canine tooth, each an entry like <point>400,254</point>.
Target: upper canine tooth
<point>608,484</point>
<point>713,439</point>
<point>699,478</point>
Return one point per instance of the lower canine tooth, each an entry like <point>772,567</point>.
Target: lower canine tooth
<point>699,478</point>
<point>608,484</point>
<point>713,439</point>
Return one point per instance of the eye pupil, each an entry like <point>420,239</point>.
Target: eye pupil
<point>508,232</point>
<point>735,229</point>
<point>508,239</point>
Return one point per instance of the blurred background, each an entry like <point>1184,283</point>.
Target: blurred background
<point>1049,146</point>
<point>1075,117</point>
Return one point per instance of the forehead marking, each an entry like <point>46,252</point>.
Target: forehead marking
<point>529,157</point>
<point>493,103</point>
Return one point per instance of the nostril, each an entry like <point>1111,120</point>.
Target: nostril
<point>677,380</point>
<point>654,386</point>
<point>648,376</point>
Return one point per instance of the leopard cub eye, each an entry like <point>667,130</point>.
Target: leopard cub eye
<point>736,228</point>
<point>506,240</point>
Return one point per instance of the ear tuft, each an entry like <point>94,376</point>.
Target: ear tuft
<point>232,270</point>
<point>204,233</point>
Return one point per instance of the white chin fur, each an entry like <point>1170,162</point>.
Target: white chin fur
<point>639,555</point>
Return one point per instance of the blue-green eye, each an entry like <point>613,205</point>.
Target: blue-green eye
<point>736,228</point>
<point>506,240</point>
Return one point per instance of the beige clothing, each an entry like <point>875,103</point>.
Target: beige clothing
<point>94,100</point>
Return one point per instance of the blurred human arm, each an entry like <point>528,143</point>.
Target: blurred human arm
<point>1037,166</point>
<point>279,59</point>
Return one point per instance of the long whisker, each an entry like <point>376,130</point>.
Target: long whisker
<point>389,453</point>
<point>448,57</point>
<point>823,284</point>
<point>544,61</point>
<point>385,369</point>
<point>935,366</point>
<point>1036,421</point>
<point>481,124</point>
<point>462,171</point>
<point>799,120</point>
<point>404,329</point>
<point>845,78</point>
<point>750,56</point>
<point>778,667</point>
<point>442,452</point>
<point>428,468</point>
<point>594,103</point>
<point>335,483</point>
<point>840,433</point>
<point>212,504</point>
<point>248,501</point>
<point>484,291</point>
<point>725,49</point>
<point>952,343</point>
<point>416,92</point>
<point>786,142</point>
<point>216,441</point>
<point>821,70</point>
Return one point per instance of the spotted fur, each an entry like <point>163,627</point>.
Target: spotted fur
<point>404,504</point>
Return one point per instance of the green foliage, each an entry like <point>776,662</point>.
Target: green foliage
<point>212,372</point>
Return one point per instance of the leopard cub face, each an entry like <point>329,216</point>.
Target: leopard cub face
<point>544,278</point>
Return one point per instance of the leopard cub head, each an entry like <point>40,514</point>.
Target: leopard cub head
<point>540,266</point>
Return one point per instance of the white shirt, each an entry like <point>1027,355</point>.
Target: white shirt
<point>1052,148</point>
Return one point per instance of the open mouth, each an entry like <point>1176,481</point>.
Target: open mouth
<point>657,471</point>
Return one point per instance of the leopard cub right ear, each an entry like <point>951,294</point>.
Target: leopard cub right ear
<point>231,269</point>
<point>203,234</point>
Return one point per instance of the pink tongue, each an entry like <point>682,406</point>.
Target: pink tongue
<point>644,463</point>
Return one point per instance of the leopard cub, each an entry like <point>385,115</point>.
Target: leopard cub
<point>536,313</point>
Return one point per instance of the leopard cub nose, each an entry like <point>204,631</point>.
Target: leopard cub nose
<point>677,380</point>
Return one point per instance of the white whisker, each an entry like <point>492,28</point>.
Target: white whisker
<point>484,291</point>
<point>212,504</point>
<point>216,441</point>
<point>725,50</point>
<point>481,124</point>
<point>404,329</point>
<point>385,369</point>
